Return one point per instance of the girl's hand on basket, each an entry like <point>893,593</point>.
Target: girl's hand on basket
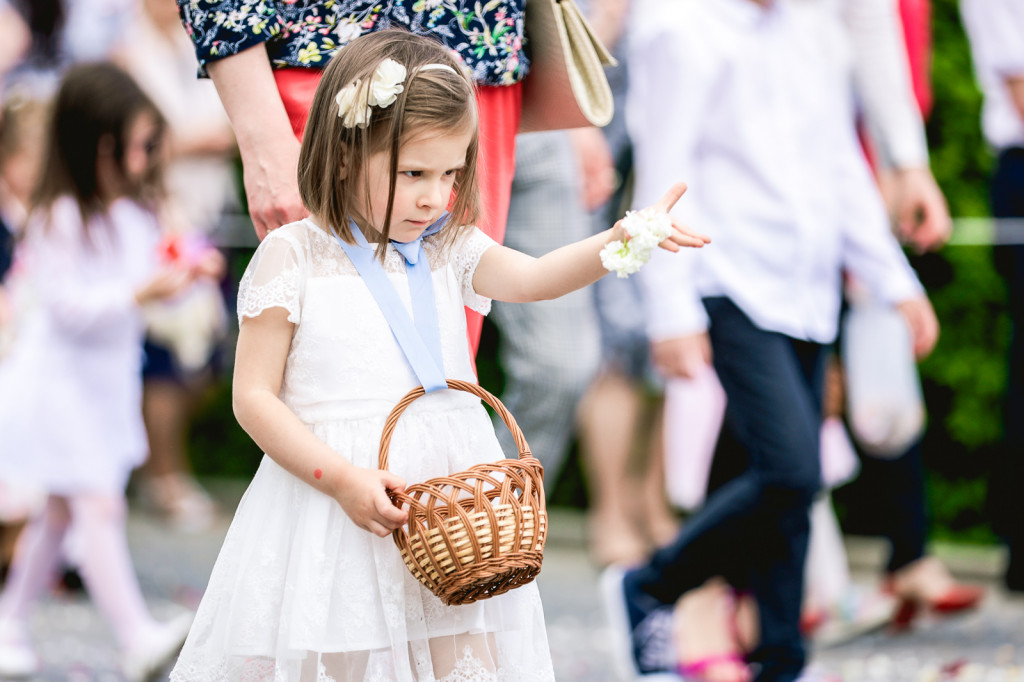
<point>363,494</point>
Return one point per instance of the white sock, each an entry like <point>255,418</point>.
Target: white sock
<point>106,565</point>
<point>35,562</point>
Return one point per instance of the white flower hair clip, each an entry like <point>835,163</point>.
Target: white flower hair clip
<point>355,101</point>
<point>646,229</point>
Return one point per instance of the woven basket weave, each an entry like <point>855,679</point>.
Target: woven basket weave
<point>477,533</point>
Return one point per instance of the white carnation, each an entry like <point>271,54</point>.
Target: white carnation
<point>646,229</point>
<point>617,257</point>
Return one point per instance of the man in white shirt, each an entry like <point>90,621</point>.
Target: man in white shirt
<point>996,32</point>
<point>750,102</point>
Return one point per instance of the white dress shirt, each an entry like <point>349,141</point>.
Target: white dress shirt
<point>996,32</point>
<point>752,108</point>
<point>884,87</point>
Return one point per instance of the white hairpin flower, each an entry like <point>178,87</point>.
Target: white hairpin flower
<point>646,229</point>
<point>355,101</point>
<point>387,83</point>
<point>352,112</point>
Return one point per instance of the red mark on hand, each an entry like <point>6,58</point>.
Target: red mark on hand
<point>317,474</point>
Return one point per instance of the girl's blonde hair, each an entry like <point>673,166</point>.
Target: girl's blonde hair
<point>435,99</point>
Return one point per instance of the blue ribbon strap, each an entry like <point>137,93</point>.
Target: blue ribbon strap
<point>419,337</point>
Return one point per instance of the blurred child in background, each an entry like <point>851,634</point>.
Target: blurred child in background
<point>70,388</point>
<point>21,141</point>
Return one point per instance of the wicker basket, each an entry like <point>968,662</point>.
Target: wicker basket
<point>477,533</point>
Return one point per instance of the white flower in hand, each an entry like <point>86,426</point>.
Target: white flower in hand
<point>617,257</point>
<point>387,83</point>
<point>647,229</point>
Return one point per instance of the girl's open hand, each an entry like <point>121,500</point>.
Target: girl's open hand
<point>169,281</point>
<point>210,264</point>
<point>681,235</point>
<point>364,497</point>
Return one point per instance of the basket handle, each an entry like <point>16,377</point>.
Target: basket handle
<point>396,412</point>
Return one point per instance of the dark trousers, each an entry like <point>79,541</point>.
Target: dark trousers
<point>1007,195</point>
<point>897,508</point>
<point>754,529</point>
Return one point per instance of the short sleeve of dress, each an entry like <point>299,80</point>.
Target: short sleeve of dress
<point>275,277</point>
<point>465,257</point>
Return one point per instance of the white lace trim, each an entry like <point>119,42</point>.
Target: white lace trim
<point>465,258</point>
<point>275,277</point>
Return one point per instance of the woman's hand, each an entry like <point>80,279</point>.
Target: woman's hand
<point>683,356</point>
<point>269,169</point>
<point>266,143</point>
<point>363,494</point>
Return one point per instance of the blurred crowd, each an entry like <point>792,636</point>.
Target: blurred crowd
<point>676,460</point>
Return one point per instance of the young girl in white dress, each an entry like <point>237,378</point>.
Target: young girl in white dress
<point>70,388</point>
<point>308,584</point>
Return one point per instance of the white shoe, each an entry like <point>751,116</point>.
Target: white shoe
<point>156,648</point>
<point>17,657</point>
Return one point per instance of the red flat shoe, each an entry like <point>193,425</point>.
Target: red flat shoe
<point>956,598</point>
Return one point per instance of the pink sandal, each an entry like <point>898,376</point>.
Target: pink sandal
<point>695,670</point>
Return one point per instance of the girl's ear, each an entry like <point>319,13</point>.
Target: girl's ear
<point>107,145</point>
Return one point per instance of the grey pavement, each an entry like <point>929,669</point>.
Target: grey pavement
<point>173,566</point>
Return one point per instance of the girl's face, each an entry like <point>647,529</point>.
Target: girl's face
<point>427,166</point>
<point>140,147</point>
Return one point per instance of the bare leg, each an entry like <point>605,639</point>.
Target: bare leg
<point>166,481</point>
<point>609,414</point>
<point>458,656</point>
<point>713,633</point>
<point>659,519</point>
<point>9,533</point>
<point>165,406</point>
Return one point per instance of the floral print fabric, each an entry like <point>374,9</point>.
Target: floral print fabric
<point>486,34</point>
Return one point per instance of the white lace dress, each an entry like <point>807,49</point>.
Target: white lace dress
<point>299,592</point>
<point>71,388</point>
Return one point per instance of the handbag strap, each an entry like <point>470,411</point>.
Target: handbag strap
<point>420,340</point>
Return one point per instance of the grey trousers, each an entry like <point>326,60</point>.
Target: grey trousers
<point>549,350</point>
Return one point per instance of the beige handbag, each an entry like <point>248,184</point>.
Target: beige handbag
<point>566,86</point>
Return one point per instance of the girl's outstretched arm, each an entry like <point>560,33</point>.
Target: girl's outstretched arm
<point>263,343</point>
<point>508,275</point>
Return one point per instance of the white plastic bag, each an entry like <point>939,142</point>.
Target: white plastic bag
<point>839,463</point>
<point>694,409</point>
<point>884,402</point>
<point>190,325</point>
